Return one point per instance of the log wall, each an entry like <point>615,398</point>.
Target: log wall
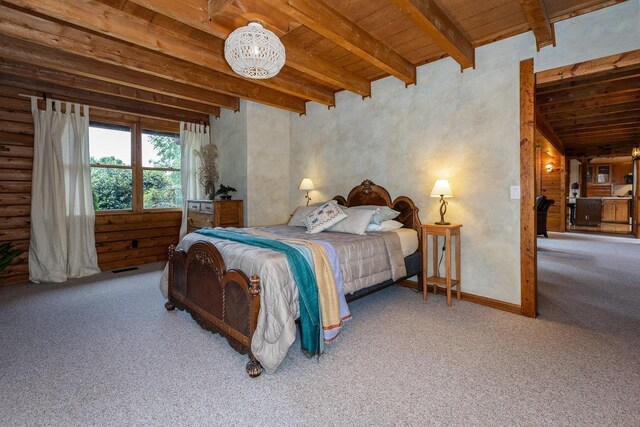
<point>16,162</point>
<point>551,187</point>
<point>122,239</point>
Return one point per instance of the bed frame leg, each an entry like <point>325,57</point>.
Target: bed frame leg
<point>254,368</point>
<point>170,306</point>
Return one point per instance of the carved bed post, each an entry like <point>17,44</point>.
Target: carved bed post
<point>253,367</point>
<point>169,305</point>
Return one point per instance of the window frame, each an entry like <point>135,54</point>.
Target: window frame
<point>152,168</point>
<point>130,167</point>
<point>136,167</point>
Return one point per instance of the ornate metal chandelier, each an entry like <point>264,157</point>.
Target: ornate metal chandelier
<point>254,52</point>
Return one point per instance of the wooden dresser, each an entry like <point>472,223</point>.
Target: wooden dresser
<point>214,213</point>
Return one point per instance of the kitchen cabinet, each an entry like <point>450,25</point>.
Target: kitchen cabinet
<point>588,211</point>
<point>620,170</point>
<point>608,211</point>
<point>615,210</point>
<point>622,211</point>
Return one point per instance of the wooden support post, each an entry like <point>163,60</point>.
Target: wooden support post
<point>564,172</point>
<point>528,254</point>
<point>584,167</point>
<point>636,199</point>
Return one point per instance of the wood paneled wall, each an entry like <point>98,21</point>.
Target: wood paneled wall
<point>122,239</point>
<point>551,187</point>
<point>552,184</point>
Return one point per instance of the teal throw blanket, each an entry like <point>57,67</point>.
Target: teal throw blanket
<point>310,324</point>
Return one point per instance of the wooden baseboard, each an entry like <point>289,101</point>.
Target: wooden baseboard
<point>477,299</point>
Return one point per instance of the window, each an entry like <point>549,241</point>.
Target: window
<point>120,182</point>
<point>111,170</point>
<point>161,170</point>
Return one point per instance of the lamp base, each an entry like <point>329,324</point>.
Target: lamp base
<point>442,223</point>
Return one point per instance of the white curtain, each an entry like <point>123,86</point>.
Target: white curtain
<point>62,241</point>
<point>192,138</point>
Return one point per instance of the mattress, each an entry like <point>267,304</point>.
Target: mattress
<point>408,240</point>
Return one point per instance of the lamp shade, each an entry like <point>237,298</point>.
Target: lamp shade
<point>441,188</point>
<point>306,185</point>
<point>254,52</point>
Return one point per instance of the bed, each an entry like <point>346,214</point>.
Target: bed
<point>228,301</point>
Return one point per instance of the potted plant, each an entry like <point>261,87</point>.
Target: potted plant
<point>224,191</point>
<point>6,255</point>
<point>575,186</point>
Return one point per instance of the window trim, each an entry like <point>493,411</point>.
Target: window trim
<point>137,170</point>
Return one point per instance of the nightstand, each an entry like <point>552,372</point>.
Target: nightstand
<point>448,232</point>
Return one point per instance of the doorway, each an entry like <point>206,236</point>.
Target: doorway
<point>579,126</point>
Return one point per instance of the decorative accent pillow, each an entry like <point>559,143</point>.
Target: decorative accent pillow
<point>388,225</point>
<point>385,213</point>
<point>301,213</point>
<point>324,217</point>
<point>355,223</point>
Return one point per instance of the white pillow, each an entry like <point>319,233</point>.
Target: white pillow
<point>383,213</point>
<point>301,213</point>
<point>387,225</point>
<point>324,217</point>
<point>355,223</point>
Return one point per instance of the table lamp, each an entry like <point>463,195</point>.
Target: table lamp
<point>306,185</point>
<point>442,189</point>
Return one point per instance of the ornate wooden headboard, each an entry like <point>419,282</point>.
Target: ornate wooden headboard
<point>369,193</point>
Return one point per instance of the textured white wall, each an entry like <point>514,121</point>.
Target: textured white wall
<point>460,126</point>
<point>268,165</point>
<point>229,133</point>
<point>253,146</point>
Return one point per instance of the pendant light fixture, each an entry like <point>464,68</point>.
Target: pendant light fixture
<point>254,52</point>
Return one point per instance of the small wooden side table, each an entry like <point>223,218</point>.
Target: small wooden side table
<point>448,232</point>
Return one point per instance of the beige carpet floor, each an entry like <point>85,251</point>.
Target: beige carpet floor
<point>103,351</point>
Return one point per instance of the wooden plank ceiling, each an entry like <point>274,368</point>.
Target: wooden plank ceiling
<point>169,53</point>
<point>594,114</point>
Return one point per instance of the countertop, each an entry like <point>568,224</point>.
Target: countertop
<point>604,198</point>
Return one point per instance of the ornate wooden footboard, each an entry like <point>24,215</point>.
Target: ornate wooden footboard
<point>224,302</point>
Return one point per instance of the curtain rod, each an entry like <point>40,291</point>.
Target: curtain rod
<point>112,110</point>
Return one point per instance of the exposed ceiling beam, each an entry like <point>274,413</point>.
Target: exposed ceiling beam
<point>435,23</point>
<point>615,129</point>
<point>620,117</point>
<point>580,82</point>
<point>595,112</point>
<point>538,18</point>
<point>591,140</point>
<point>80,82</point>
<point>69,39</point>
<point>623,149</point>
<point>613,62</point>
<point>20,51</point>
<point>547,131</point>
<point>590,92</point>
<point>193,13</point>
<point>583,104</point>
<point>101,18</point>
<point>326,21</point>
<point>104,101</point>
